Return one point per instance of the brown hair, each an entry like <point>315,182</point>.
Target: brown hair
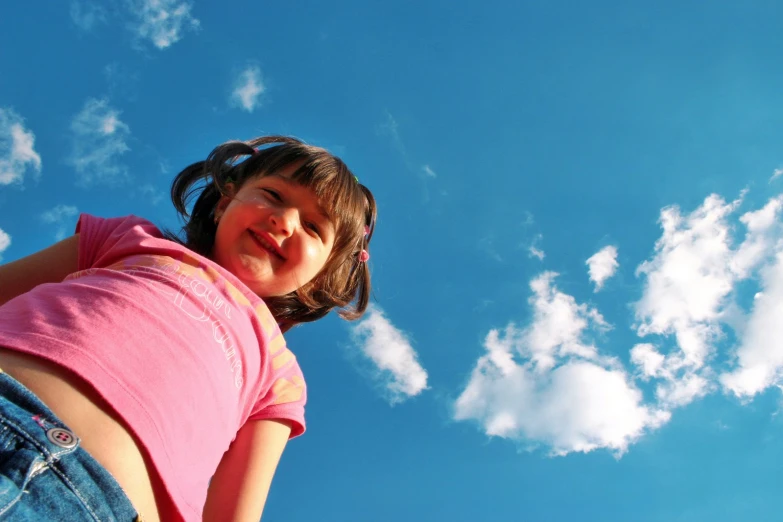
<point>344,279</point>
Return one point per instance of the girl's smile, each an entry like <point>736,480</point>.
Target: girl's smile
<point>273,235</point>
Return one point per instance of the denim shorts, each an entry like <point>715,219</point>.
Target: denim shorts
<point>44,473</point>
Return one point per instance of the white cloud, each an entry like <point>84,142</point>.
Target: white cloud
<point>546,384</point>
<point>648,360</point>
<point>99,139</point>
<point>86,15</point>
<point>5,242</point>
<point>689,278</point>
<point>61,216</point>
<point>17,152</point>
<point>602,265</point>
<point>429,172</point>
<point>762,230</point>
<point>690,295</point>
<point>760,354</point>
<point>391,352</point>
<point>248,89</point>
<point>162,22</point>
<point>537,253</point>
<point>776,174</point>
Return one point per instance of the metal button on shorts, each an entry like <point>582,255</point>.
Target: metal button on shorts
<point>62,438</point>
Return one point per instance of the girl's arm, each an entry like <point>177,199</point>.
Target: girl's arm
<point>46,266</point>
<point>238,489</point>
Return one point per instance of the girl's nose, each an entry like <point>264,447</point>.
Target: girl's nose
<point>284,221</point>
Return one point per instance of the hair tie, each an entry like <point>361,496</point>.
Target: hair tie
<point>366,230</point>
<point>364,256</point>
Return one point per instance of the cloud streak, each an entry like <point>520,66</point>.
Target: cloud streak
<point>537,253</point>
<point>533,250</point>
<point>396,363</point>
<point>60,216</point>
<point>99,140</point>
<point>17,149</point>
<point>248,89</point>
<point>86,15</point>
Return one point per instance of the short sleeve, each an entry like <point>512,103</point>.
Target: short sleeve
<point>98,236</point>
<point>286,398</point>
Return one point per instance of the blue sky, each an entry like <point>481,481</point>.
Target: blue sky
<point>578,263</point>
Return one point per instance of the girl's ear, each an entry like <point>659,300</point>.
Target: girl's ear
<point>224,200</point>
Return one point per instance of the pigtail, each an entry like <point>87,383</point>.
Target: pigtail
<point>207,181</point>
<point>359,284</point>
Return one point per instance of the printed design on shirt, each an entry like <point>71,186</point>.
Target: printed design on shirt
<point>195,290</point>
<point>204,296</point>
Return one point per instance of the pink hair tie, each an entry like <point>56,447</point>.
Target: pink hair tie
<point>364,256</point>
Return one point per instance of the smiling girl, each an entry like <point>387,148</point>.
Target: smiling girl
<point>146,373</point>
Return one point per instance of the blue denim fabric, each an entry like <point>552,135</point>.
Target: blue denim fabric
<point>41,480</point>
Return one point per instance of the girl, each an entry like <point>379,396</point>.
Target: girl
<point>147,374</point>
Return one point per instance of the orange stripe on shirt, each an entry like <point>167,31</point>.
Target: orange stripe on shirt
<point>288,391</point>
<point>283,358</point>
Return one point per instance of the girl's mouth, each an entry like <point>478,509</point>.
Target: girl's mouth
<point>266,245</point>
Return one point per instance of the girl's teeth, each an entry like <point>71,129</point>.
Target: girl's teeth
<point>265,244</point>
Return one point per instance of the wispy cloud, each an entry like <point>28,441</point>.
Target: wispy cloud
<point>162,22</point>
<point>776,174</point>
<point>248,89</point>
<point>390,128</point>
<point>537,253</point>
<point>17,149</point>
<point>99,139</point>
<point>602,265</point>
<point>149,192</point>
<point>533,250</point>
<point>86,15</point>
<point>396,362</point>
<point>548,384</point>
<point>5,242</point>
<point>429,172</point>
<point>61,216</point>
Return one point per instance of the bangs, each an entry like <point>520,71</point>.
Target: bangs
<point>338,192</point>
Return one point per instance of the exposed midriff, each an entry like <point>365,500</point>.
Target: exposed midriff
<point>103,434</point>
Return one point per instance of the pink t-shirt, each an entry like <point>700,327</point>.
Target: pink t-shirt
<point>182,350</point>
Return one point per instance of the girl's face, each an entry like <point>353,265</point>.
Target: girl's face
<point>273,235</point>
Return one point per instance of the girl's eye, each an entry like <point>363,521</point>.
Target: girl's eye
<point>274,194</point>
<point>314,228</point>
